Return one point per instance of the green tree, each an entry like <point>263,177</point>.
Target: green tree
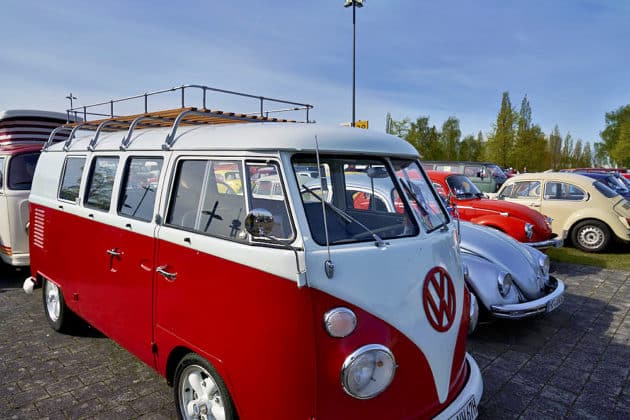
<point>587,157</point>
<point>450,138</point>
<point>501,140</point>
<point>555,149</point>
<point>616,136</point>
<point>565,154</point>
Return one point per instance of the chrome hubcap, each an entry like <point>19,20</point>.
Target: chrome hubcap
<point>591,237</point>
<point>199,395</point>
<point>52,301</point>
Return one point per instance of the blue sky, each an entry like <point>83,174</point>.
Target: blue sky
<point>414,57</point>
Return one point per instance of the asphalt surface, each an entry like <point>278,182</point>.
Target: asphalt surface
<point>573,363</point>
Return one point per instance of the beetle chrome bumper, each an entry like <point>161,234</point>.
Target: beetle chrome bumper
<point>534,307</point>
<point>549,243</point>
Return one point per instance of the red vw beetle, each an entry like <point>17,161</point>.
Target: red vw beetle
<point>522,223</point>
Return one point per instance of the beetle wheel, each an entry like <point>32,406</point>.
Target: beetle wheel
<point>591,236</point>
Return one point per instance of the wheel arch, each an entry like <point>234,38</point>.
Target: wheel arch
<point>174,357</point>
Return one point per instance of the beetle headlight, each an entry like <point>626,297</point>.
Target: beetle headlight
<point>368,371</point>
<point>340,322</point>
<point>504,283</point>
<point>544,263</point>
<point>529,230</point>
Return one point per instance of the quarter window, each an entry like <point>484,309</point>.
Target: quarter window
<point>139,187</point>
<point>101,182</point>
<point>71,179</point>
<point>563,191</point>
<point>1,172</point>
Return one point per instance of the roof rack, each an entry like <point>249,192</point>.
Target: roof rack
<point>172,118</point>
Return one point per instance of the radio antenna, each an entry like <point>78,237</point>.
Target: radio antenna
<point>329,267</point>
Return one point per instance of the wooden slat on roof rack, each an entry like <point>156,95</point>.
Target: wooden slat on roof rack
<point>167,117</point>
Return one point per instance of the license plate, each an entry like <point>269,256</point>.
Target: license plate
<point>554,303</point>
<point>467,412</point>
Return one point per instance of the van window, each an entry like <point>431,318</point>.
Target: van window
<point>138,190</point>
<point>267,192</point>
<point>101,182</point>
<point>71,179</point>
<point>21,170</point>
<point>202,201</point>
<point>1,171</point>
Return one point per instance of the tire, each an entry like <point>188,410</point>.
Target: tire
<point>591,236</point>
<point>199,389</point>
<point>59,316</point>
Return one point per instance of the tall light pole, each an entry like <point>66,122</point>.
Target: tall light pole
<point>354,4</point>
<point>71,97</point>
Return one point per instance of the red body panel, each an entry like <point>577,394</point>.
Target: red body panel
<point>502,215</point>
<point>257,329</point>
<point>411,394</point>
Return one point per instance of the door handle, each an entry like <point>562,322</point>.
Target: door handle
<point>169,276</point>
<point>113,252</point>
<point>534,205</point>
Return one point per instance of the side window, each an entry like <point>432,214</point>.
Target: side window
<point>204,201</point>
<point>268,193</point>
<point>71,179</point>
<point>138,189</point>
<point>563,191</point>
<point>21,171</point>
<point>526,189</point>
<point>101,182</point>
<point>507,191</point>
<point>474,171</point>
<point>1,172</point>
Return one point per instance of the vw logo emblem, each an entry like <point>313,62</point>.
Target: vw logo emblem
<point>438,298</point>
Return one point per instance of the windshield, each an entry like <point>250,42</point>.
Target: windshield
<point>359,196</point>
<point>496,171</point>
<point>463,187</point>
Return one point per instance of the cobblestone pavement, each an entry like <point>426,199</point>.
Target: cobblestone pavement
<point>574,363</point>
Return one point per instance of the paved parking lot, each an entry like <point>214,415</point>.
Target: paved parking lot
<point>574,363</point>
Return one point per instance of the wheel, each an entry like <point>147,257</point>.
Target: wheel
<point>591,236</point>
<point>59,316</point>
<point>200,393</point>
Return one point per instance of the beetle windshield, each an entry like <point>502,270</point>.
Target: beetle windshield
<point>359,196</point>
<point>463,187</point>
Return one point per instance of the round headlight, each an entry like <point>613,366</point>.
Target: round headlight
<point>368,371</point>
<point>529,230</point>
<point>340,322</point>
<point>543,263</point>
<point>504,283</point>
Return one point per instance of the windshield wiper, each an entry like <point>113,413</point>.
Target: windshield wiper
<point>423,207</point>
<point>347,218</point>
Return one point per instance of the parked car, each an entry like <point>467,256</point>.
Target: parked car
<point>22,135</point>
<point>612,181</point>
<point>259,304</point>
<point>588,210</point>
<point>510,280</point>
<point>520,222</point>
<point>488,177</point>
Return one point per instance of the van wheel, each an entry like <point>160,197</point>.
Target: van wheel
<point>591,236</point>
<point>200,393</point>
<point>59,316</point>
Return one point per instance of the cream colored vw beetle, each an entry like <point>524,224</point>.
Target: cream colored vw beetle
<point>590,212</point>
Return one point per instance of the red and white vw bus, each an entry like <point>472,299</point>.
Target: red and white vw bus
<point>283,303</point>
<point>22,135</point>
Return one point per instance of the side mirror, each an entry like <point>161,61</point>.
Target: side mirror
<point>259,223</point>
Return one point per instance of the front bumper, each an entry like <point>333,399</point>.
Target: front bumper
<point>472,389</point>
<point>549,243</point>
<point>534,307</point>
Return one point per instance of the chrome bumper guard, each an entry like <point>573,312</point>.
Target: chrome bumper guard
<point>533,307</point>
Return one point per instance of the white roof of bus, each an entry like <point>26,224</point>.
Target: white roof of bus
<point>29,113</point>
<point>254,136</point>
